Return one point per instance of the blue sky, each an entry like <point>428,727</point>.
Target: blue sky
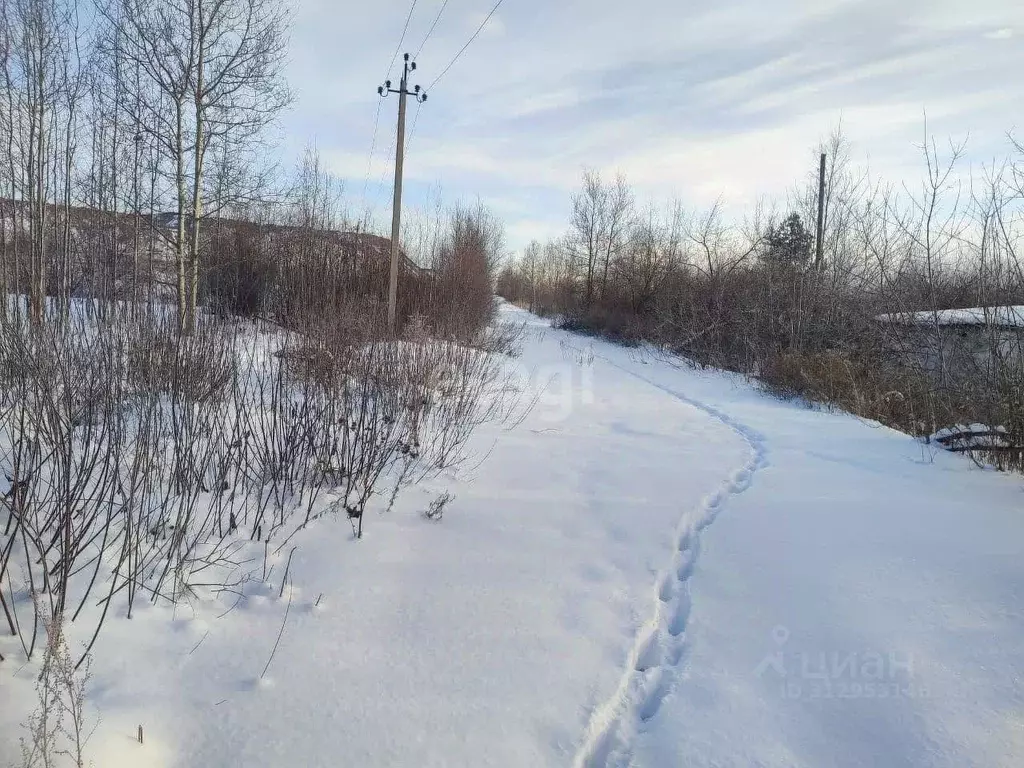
<point>690,99</point>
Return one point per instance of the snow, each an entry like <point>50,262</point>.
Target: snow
<point>657,567</point>
<point>854,545</point>
<point>1005,316</point>
<point>962,430</point>
<point>972,436</point>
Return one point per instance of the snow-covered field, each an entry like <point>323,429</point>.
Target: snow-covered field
<point>658,567</point>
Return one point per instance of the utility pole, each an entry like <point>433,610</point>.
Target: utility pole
<point>818,244</point>
<point>396,208</point>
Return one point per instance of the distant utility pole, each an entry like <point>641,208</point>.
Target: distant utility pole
<point>818,244</point>
<point>396,209</point>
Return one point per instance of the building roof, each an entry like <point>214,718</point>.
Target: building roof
<point>1002,316</point>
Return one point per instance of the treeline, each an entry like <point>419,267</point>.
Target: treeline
<point>751,296</point>
<point>310,257</point>
<point>130,108</point>
<point>135,135</point>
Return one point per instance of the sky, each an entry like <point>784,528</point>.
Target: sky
<point>694,100</point>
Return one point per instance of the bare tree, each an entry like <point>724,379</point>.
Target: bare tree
<point>589,222</point>
<point>211,77</point>
<point>619,201</point>
<point>40,79</point>
<point>645,261</point>
<point>531,270</point>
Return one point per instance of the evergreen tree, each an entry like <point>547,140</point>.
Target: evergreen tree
<point>788,243</point>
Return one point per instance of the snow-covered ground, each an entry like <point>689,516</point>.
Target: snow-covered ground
<point>658,567</point>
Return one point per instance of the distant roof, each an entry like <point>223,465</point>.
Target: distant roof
<point>1004,316</point>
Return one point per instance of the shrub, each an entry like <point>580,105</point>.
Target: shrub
<point>197,368</point>
<point>240,277</point>
<point>435,510</point>
<point>870,387</point>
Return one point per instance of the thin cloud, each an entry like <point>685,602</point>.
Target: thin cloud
<point>695,100</point>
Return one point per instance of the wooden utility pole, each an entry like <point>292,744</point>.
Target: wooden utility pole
<point>818,241</point>
<point>396,208</point>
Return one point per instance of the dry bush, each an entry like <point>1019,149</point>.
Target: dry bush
<point>58,727</point>
<point>435,510</point>
<point>504,338</point>
<point>109,452</point>
<point>872,388</point>
<point>239,277</point>
<point>614,323</point>
<point>369,408</point>
<point>461,302</point>
<point>139,462</point>
<point>162,360</point>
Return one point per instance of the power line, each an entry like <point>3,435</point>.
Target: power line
<point>415,119</point>
<point>388,169</point>
<point>376,117</point>
<point>451,64</point>
<point>431,30</point>
<point>405,29</point>
<point>468,43</point>
<point>373,146</point>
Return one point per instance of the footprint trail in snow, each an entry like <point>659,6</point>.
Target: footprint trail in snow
<point>653,664</point>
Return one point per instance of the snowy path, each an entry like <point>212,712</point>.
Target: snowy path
<point>660,644</point>
<point>659,567</point>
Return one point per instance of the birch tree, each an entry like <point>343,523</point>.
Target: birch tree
<point>589,221</point>
<point>211,80</point>
<point>40,80</point>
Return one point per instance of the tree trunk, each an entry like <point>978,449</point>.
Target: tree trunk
<point>179,245</point>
